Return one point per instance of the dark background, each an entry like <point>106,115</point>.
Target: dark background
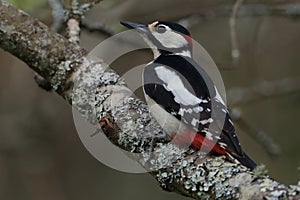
<point>41,155</point>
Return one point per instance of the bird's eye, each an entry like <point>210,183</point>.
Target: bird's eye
<point>161,29</point>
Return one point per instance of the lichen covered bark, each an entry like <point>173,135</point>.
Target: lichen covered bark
<point>47,53</point>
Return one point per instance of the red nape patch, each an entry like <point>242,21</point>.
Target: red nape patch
<point>189,39</point>
<point>198,141</point>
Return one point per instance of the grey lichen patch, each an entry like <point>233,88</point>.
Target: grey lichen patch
<point>294,190</point>
<point>218,173</point>
<point>59,77</point>
<point>273,189</point>
<point>135,130</point>
<point>277,194</point>
<point>7,29</point>
<point>165,156</point>
<point>202,177</point>
<point>88,92</point>
<point>111,78</point>
<point>250,191</point>
<point>78,9</point>
<point>103,101</point>
<point>4,3</point>
<point>90,73</point>
<point>129,108</point>
<point>242,178</point>
<point>164,178</point>
<point>242,181</point>
<point>99,92</point>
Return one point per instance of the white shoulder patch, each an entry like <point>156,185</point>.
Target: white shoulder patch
<point>186,53</point>
<point>174,84</point>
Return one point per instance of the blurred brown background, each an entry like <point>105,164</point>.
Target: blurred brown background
<point>41,155</point>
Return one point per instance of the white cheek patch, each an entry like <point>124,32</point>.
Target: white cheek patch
<point>174,84</point>
<point>152,46</point>
<point>186,53</point>
<point>170,39</point>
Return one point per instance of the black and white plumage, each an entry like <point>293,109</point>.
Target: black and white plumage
<point>182,97</point>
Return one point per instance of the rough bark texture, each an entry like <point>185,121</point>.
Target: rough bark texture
<point>125,119</point>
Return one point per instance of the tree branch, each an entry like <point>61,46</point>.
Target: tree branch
<point>128,123</point>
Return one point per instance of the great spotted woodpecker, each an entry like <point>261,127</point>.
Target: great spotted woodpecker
<point>182,97</point>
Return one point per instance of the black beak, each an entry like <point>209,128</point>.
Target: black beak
<point>133,25</point>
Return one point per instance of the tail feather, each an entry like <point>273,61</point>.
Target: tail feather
<point>246,161</point>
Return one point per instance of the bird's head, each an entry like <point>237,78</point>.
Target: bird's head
<point>164,37</point>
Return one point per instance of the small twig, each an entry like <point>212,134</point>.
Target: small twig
<point>235,52</point>
<point>73,31</point>
<point>97,27</point>
<point>75,13</point>
<point>76,9</point>
<point>43,83</point>
<point>57,15</point>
